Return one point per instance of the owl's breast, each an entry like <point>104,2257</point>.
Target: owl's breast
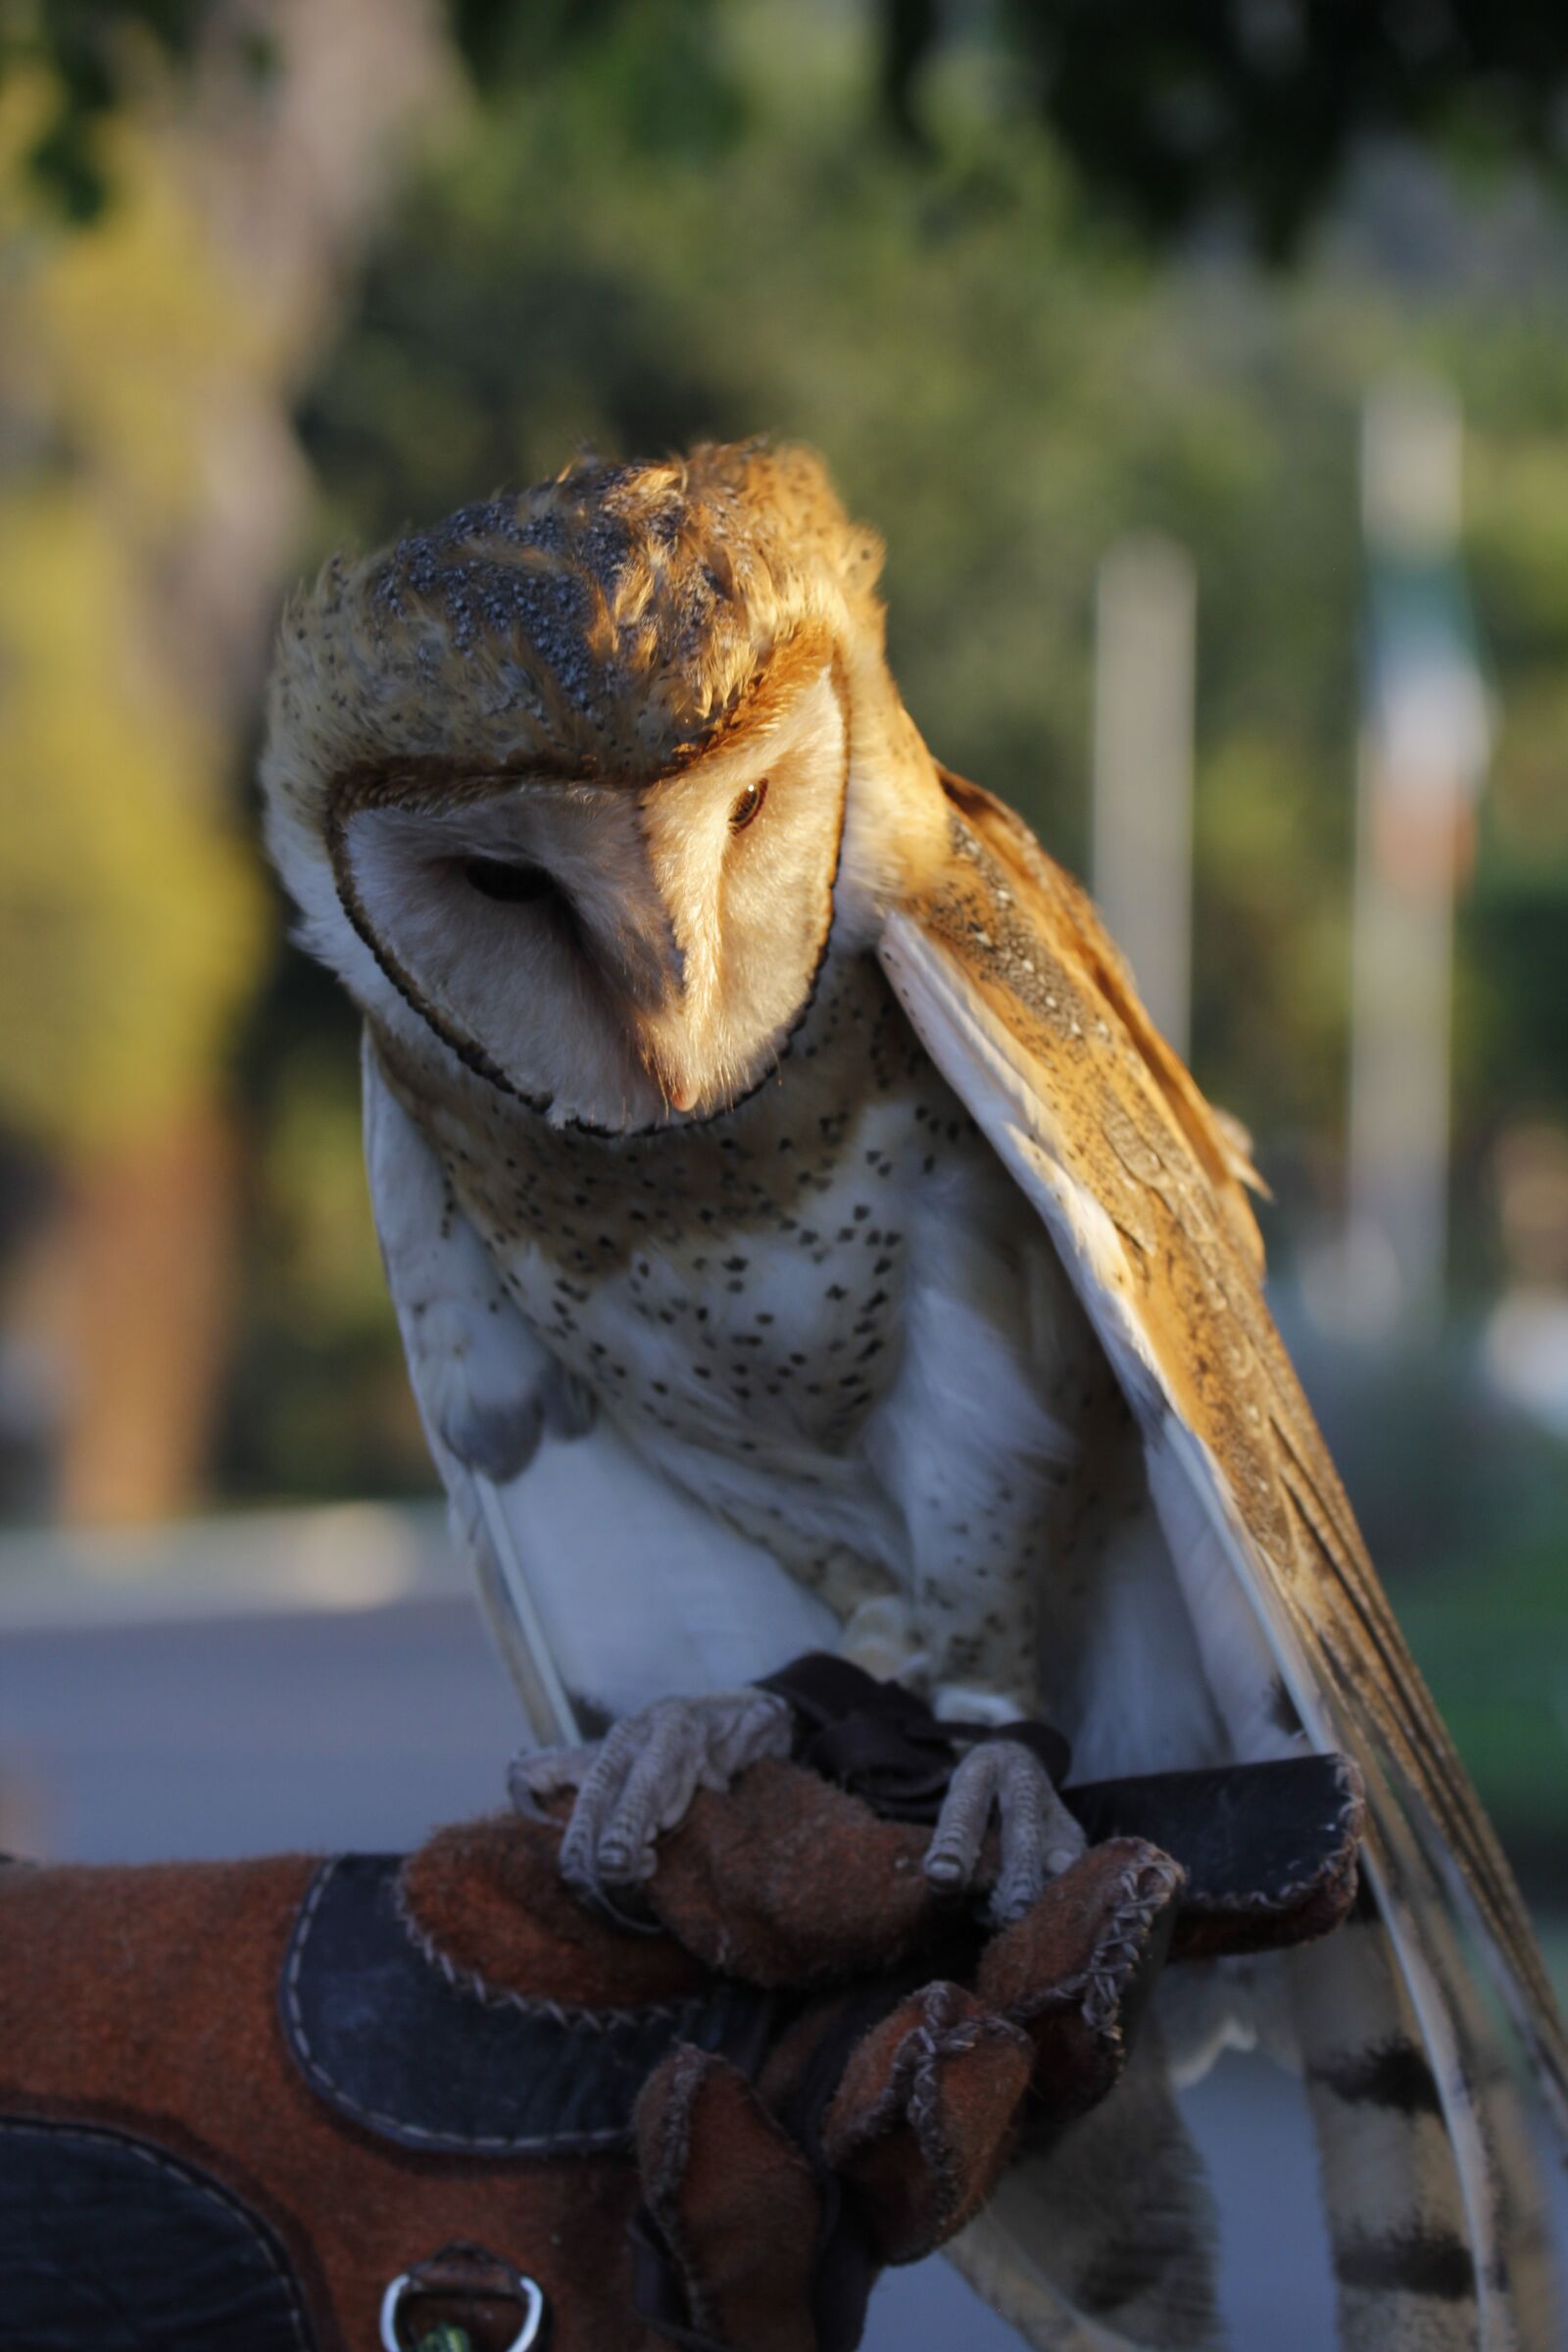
<point>741,1284</point>
<point>750,1320</point>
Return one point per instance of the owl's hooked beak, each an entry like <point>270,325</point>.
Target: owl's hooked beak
<point>680,1092</point>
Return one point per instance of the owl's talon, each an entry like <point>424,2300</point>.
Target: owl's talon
<point>640,1778</point>
<point>1039,1838</point>
<point>537,1774</point>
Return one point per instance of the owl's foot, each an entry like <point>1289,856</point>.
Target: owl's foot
<point>1039,1838</point>
<point>642,1776</point>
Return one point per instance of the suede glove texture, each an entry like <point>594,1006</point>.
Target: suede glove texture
<point>900,2052</point>
<point>712,2133</point>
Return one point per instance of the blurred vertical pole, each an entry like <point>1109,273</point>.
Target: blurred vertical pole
<point>148,1247</point>
<point>1422,754</point>
<point>1145,640</point>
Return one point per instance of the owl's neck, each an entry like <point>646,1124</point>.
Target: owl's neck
<point>852,1043</point>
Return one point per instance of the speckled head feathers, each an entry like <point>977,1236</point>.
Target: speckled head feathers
<point>610,624</point>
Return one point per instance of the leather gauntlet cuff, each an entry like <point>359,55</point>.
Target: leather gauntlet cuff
<point>282,2087</point>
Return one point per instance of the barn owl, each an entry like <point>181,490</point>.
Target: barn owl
<point>799,1231</point>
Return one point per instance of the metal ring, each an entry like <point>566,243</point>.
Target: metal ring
<point>533,2315</point>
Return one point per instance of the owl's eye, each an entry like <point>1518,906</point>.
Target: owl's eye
<point>746,808</point>
<point>510,885</point>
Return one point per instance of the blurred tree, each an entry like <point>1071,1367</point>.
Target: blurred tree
<point>150,502</point>
<point>1248,113</point>
<point>1173,112</point>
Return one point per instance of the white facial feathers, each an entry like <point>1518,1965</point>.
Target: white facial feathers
<point>615,954</point>
<point>749,883</point>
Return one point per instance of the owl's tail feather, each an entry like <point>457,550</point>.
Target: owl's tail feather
<point>1104,2241</point>
<point>1394,2201</point>
<point>1449,2244</point>
<point>1436,2247</point>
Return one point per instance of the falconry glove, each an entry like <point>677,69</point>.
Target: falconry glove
<point>441,2104</point>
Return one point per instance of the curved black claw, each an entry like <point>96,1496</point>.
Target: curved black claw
<point>1040,1838</point>
<point>642,1776</point>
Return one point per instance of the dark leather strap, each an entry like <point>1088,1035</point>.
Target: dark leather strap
<point>883,1742</point>
<point>386,2036</point>
<point>1269,1849</point>
<point>845,2262</point>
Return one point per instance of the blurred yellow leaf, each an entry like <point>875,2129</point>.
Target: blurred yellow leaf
<point>131,913</point>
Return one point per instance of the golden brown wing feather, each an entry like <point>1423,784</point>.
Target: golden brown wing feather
<point>1023,944</point>
<point>1218,1143</point>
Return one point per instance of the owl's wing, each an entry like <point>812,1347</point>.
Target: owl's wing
<point>485,1386</point>
<point>1025,1007</point>
<point>570,1532</point>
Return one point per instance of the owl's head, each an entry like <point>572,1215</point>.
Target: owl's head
<point>565,782</point>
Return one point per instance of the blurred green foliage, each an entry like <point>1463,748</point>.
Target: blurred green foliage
<point>319,1402</point>
<point>1178,111</point>
<point>131,916</point>
<point>83,55</point>
<point>1171,112</point>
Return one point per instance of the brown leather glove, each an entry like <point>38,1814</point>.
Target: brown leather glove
<point>285,2086</point>
<point>865,2117</point>
<point>879,2120</point>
